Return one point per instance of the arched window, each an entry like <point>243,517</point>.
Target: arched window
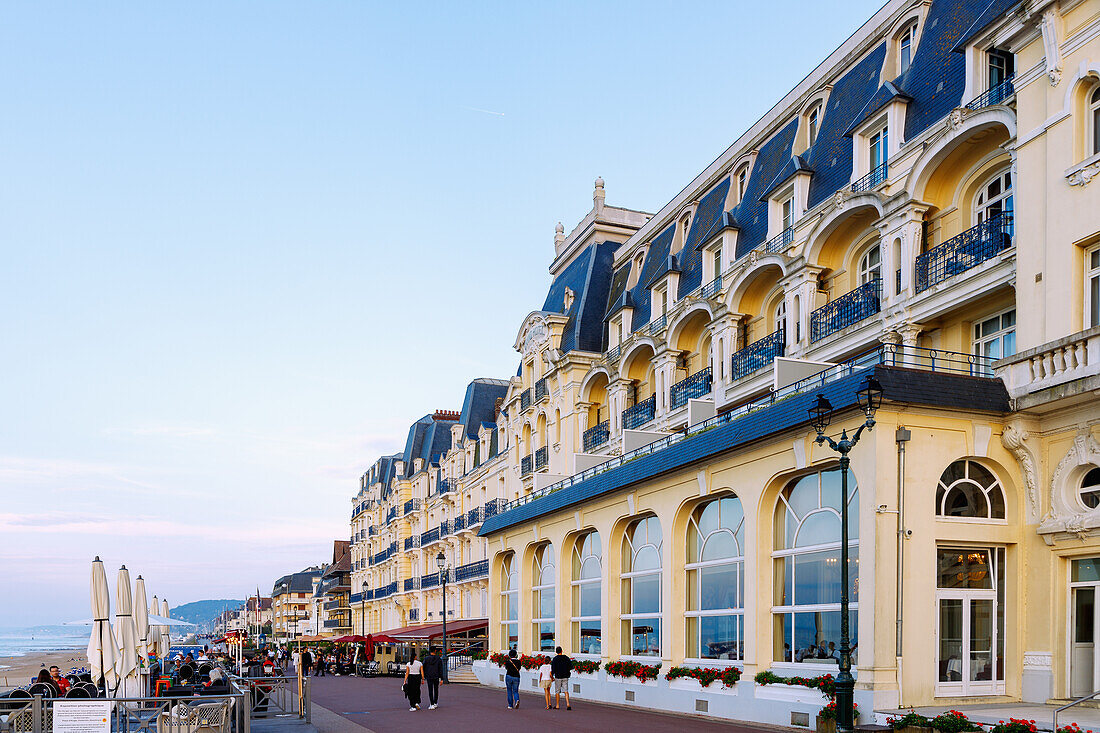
<point>870,265</point>
<point>1094,120</point>
<point>641,589</point>
<point>813,124</point>
<point>587,589</point>
<point>807,568</point>
<point>544,609</point>
<point>1090,489</point>
<point>907,43</point>
<point>995,198</point>
<point>716,580</point>
<point>742,183</point>
<point>509,603</point>
<point>967,489</point>
<point>780,315</point>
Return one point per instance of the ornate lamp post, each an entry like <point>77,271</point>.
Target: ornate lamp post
<point>870,397</point>
<point>441,563</point>
<point>363,611</point>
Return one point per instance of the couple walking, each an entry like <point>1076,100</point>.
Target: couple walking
<point>553,673</point>
<point>429,671</point>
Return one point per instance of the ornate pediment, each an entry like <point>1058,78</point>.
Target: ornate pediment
<point>1066,515</point>
<point>540,331</point>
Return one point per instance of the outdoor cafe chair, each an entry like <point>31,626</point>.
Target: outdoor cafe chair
<point>77,693</point>
<point>44,689</point>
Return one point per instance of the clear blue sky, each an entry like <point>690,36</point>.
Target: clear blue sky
<point>245,245</point>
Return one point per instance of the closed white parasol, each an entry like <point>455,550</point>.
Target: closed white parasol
<point>102,649</point>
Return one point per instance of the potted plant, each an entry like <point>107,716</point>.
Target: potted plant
<point>826,719</point>
<point>911,722</point>
<point>1072,728</point>
<point>1015,725</point>
<point>953,722</point>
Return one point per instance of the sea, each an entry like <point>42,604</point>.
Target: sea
<point>16,642</point>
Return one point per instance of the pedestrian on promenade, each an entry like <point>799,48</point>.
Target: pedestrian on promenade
<point>546,677</point>
<point>433,672</point>
<point>307,662</point>
<point>322,662</point>
<point>511,679</point>
<point>561,666</point>
<point>413,679</point>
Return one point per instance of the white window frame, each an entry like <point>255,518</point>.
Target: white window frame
<point>1092,143</point>
<point>1092,286</point>
<point>995,486</point>
<point>630,575</point>
<point>813,124</point>
<point>879,139</point>
<point>546,553</point>
<point>979,341</point>
<point>737,562</point>
<point>509,587</point>
<point>578,584</point>
<point>908,34</point>
<point>983,202</point>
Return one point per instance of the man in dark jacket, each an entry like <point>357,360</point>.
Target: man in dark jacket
<point>433,672</point>
<point>561,666</point>
<point>306,660</point>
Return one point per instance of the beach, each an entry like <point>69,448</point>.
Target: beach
<point>18,671</point>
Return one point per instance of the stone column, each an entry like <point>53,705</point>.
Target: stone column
<point>616,403</point>
<point>664,374</point>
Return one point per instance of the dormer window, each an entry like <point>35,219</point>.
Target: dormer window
<point>787,207</point>
<point>813,123</point>
<point>742,181</point>
<point>636,269</point>
<point>1000,68</point>
<point>879,144</point>
<point>907,43</point>
<point>685,226</point>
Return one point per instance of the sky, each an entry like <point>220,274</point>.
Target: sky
<point>245,245</point>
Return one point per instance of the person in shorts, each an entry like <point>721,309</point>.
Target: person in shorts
<point>561,666</point>
<point>546,677</point>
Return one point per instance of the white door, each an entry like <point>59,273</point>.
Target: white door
<point>969,617</point>
<point>1084,627</point>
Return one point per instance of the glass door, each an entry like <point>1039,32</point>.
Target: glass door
<point>970,620</point>
<point>1084,668</point>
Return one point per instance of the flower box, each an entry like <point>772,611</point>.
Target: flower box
<point>689,683</point>
<point>825,726</point>
<point>791,693</point>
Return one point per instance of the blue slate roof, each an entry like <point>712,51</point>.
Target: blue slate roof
<point>831,154</point>
<point>479,405</point>
<point>658,253</point>
<point>671,264</point>
<point>589,277</point>
<point>992,11</point>
<point>703,224</point>
<point>752,212</point>
<point>899,384</point>
<point>428,439</point>
<point>887,93</point>
<point>615,296</point>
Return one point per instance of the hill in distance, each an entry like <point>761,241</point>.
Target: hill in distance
<point>203,612</point>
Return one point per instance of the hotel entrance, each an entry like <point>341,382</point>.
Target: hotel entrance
<point>1084,624</point>
<point>970,621</point>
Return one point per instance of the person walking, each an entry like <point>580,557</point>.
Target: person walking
<point>511,679</point>
<point>433,672</point>
<point>561,666</point>
<point>546,678</point>
<point>413,679</point>
<point>307,662</point>
<point>322,663</point>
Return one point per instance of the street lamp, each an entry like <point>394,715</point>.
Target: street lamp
<point>363,611</point>
<point>870,397</point>
<point>441,563</point>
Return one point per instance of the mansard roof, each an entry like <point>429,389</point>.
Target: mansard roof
<point>588,276</point>
<point>887,93</point>
<point>479,405</point>
<point>429,437</point>
<point>993,11</point>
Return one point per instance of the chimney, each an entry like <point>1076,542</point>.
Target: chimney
<point>598,195</point>
<point>446,415</point>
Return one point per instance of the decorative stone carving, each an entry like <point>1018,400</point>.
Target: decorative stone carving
<point>1014,438</point>
<point>955,119</point>
<point>536,333</point>
<point>840,197</point>
<point>1051,27</point>
<point>1065,514</point>
<point>1083,176</point>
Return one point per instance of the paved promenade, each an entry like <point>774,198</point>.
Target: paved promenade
<point>353,705</point>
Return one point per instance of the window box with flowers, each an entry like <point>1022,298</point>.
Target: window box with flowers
<point>628,671</point>
<point>826,719</point>
<point>954,722</point>
<point>698,678</point>
<point>911,722</point>
<point>586,666</point>
<point>808,690</point>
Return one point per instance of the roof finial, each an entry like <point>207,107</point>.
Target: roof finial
<point>598,194</point>
<point>559,237</point>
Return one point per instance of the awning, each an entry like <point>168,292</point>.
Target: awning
<point>432,631</point>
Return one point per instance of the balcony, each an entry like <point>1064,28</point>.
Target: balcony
<point>540,390</point>
<point>968,250</point>
<point>337,623</point>
<point>334,605</point>
<point>443,486</point>
<point>757,355</point>
<point>427,538</point>
<point>410,506</point>
<point>411,584</point>
<point>780,242</point>
<point>525,400</point>
<point>446,528</point>
<point>613,352</point>
<point>472,571</point>
<point>852,307</point>
<point>995,95</point>
<point>372,530</point>
<point>526,465</point>
<point>692,387</point>
<point>712,288</point>
<point>391,515</point>
<point>386,590</point>
<point>872,180</point>
<point>641,413</point>
<point>658,324</point>
<point>542,458</point>
<point>596,436</point>
<point>411,543</point>
<point>431,580</point>
<point>459,523</point>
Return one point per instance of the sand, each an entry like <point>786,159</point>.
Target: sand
<point>18,671</point>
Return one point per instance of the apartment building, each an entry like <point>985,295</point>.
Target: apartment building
<point>290,599</point>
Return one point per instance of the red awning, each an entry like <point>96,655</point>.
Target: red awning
<point>432,631</point>
<point>403,630</point>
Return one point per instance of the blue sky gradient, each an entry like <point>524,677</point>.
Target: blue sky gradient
<point>246,244</point>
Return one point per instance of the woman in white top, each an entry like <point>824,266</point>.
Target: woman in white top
<point>546,676</point>
<point>413,679</point>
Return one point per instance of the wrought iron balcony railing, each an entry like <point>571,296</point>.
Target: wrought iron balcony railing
<point>473,517</point>
<point>411,543</point>
<point>491,508</point>
<point>526,465</point>
<point>780,242</point>
<point>540,389</point>
<point>970,249</point>
<point>614,351</point>
<point>459,523</point>
<point>542,457</point>
<point>411,584</point>
<point>446,527</point>
<point>873,179</point>
<point>852,307</point>
<point>391,515</point>
<point>640,414</point>
<point>410,506</point>
<point>712,288</point>
<point>697,385</point>
<point>472,571</point>
<point>386,590</point>
<point>994,95</point>
<point>597,435</point>
<point>757,355</point>
<point>658,324</point>
<point>431,580</point>
<point>427,538</point>
<point>443,486</point>
<point>525,400</point>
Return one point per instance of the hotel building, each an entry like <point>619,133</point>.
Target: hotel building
<point>648,487</point>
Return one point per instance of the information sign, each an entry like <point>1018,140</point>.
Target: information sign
<point>82,716</point>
